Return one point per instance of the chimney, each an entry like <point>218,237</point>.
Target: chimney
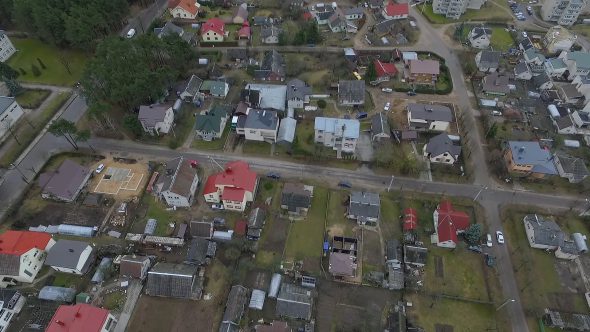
<point>59,322</point>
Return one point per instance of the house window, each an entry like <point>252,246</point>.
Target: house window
<point>7,317</point>
<point>28,273</point>
<point>36,252</point>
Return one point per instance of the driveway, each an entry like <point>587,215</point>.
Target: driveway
<point>364,147</point>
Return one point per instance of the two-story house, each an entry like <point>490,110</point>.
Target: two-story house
<point>364,207</point>
<point>11,304</point>
<point>178,183</point>
<point>68,256</point>
<point>395,11</point>
<point>528,158</point>
<point>185,9</point>
<point>22,254</point>
<point>270,34</point>
<point>578,63</point>
<point>480,37</point>
<point>272,67</point>
<point>340,134</point>
<point>426,117</point>
<point>213,30</point>
<point>351,93</point>
<point>210,125</point>
<point>297,94</point>
<point>156,119</point>
<point>261,125</point>
<point>423,72</point>
<point>10,113</point>
<point>234,187</point>
<point>441,149</point>
<point>6,47</point>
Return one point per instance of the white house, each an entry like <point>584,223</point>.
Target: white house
<point>156,119</point>
<point>270,34</point>
<point>234,187</point>
<point>261,125</point>
<point>340,134</point>
<point>480,37</point>
<point>213,30</point>
<point>187,9</point>
<point>395,11</point>
<point>81,317</point>
<point>522,71</point>
<point>297,94</point>
<point>425,117</point>
<point>6,47</point>
<point>75,257</point>
<point>542,233</point>
<point>22,254</point>
<point>10,113</point>
<point>11,304</point>
<point>578,63</point>
<point>441,150</point>
<point>178,183</point>
<point>555,67</point>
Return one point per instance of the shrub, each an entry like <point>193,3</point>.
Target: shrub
<point>268,186</point>
<point>322,104</point>
<point>35,70</point>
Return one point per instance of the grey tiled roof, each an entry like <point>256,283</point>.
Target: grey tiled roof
<point>351,91</point>
<point>364,204</point>
<point>197,251</point>
<point>256,218</point>
<point>201,228</point>
<point>262,119</point>
<point>236,302</point>
<point>294,302</point>
<point>9,265</point>
<point>66,254</point>
<point>379,124</point>
<point>431,112</point>
<point>172,280</point>
<point>66,181</point>
<point>297,89</point>
<point>150,115</point>
<point>546,232</point>
<point>5,103</point>
<point>440,144</point>
<point>490,59</point>
<point>295,196</point>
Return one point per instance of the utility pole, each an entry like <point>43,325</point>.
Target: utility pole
<point>505,303</point>
<point>390,183</point>
<point>479,192</point>
<point>21,173</point>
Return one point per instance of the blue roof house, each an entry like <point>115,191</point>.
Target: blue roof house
<point>529,158</point>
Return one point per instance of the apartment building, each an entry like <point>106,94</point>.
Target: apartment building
<point>563,12</point>
<point>453,9</point>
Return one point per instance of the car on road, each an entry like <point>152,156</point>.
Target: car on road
<point>529,9</point>
<point>130,33</point>
<point>500,237</point>
<point>387,106</point>
<point>99,168</point>
<point>217,207</point>
<point>476,249</point>
<point>525,35</point>
<point>489,240</point>
<point>273,175</point>
<point>411,93</point>
<point>490,260</point>
<point>387,90</point>
<point>345,184</point>
<point>521,18</point>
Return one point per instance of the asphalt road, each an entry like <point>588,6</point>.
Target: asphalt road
<point>145,17</point>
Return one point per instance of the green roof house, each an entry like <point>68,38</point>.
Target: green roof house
<point>210,125</point>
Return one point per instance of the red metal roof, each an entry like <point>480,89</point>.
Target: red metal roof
<point>410,221</point>
<point>450,221</point>
<point>397,9</point>
<point>244,30</point>
<point>214,24</point>
<point>19,242</point>
<point>79,317</point>
<point>385,69</point>
<point>233,194</point>
<point>188,5</point>
<point>241,227</point>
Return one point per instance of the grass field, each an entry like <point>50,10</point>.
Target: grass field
<point>501,39</point>
<point>215,144</point>
<point>257,148</point>
<point>306,236</point>
<point>157,210</point>
<point>337,223</point>
<point>32,98</point>
<point>26,134</point>
<point>55,73</point>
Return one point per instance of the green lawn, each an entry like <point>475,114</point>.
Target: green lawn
<point>26,133</point>
<point>157,210</point>
<point>257,148</point>
<point>68,280</point>
<point>390,222</point>
<point>337,223</point>
<point>305,237</point>
<point>115,301</point>
<point>183,127</point>
<point>32,98</point>
<point>501,39</point>
<point>28,50</point>
<point>215,144</point>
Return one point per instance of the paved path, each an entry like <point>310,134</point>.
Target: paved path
<point>133,293</point>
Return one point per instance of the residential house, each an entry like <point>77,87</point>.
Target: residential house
<point>426,117</point>
<point>156,119</point>
<point>202,229</point>
<point>10,112</point>
<point>22,254</point>
<point>170,29</point>
<point>322,13</point>
<point>424,71</point>
<point>448,222</point>
<point>562,12</point>
<point>174,280</point>
<point>488,61</point>
<point>343,257</point>
<point>238,54</point>
<point>216,89</point>
<point>294,302</point>
<point>11,304</point>
<point>272,67</point>
<point>275,326</point>
<point>529,158</point>
<point>496,84</point>
<point>380,130</point>
<point>270,34</point>
<point>261,125</point>
<point>354,13</point>
<point>522,71</point>
<point>191,91</point>
<point>65,183</point>
<point>75,257</point>
<point>245,31</point>
<point>241,15</point>
<point>265,96</point>
<point>572,168</point>
<point>578,63</point>
<point>583,85</point>
<point>567,321</point>
<point>542,233</point>
<point>542,82</point>
<point>385,71</point>
<point>187,9</point>
<point>555,67</point>
<point>393,254</point>
<point>200,251</point>
<point>81,317</point>
<point>7,49</point>
<point>286,133</point>
<point>454,9</point>
<point>298,93</point>
<point>535,59</point>
<point>441,149</point>
<point>395,11</point>
<point>233,187</point>
<point>261,20</point>
<point>234,309</point>
<point>178,183</point>
<point>296,199</point>
<point>480,37</point>
<point>364,207</point>
<point>351,93</point>
<point>341,134</point>
<point>210,126</point>
<point>337,21</point>
<point>565,125</point>
<point>384,27</point>
<point>133,266</point>
<point>213,30</point>
<point>569,94</point>
<point>559,39</point>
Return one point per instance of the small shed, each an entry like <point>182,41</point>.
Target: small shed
<point>150,227</point>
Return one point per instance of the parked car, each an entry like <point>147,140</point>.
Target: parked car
<point>387,106</point>
<point>345,184</point>
<point>273,175</point>
<point>411,93</point>
<point>388,90</point>
<point>476,249</point>
<point>217,207</point>
<point>500,237</point>
<point>99,168</point>
<point>130,33</point>
<point>489,240</point>
<point>218,221</point>
<point>490,260</point>
<point>525,35</point>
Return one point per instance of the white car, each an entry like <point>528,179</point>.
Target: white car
<point>130,33</point>
<point>388,90</point>
<point>99,168</point>
<point>387,106</point>
<point>489,241</point>
<point>500,237</point>
<point>524,34</point>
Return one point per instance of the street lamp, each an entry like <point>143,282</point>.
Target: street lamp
<point>505,303</point>
<point>479,192</point>
<point>390,183</point>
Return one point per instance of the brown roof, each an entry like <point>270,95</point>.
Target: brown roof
<point>275,326</point>
<point>201,229</point>
<point>184,179</point>
<point>131,266</point>
<point>425,67</point>
<point>66,181</point>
